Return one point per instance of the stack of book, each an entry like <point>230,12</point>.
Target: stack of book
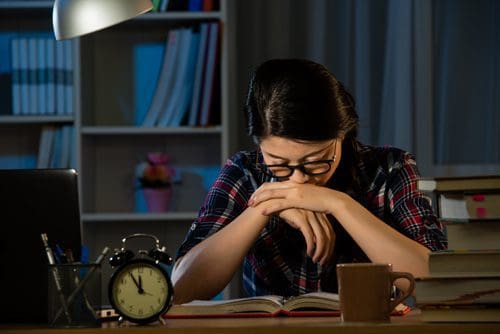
<point>464,281</point>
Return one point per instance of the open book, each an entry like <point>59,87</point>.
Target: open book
<point>309,304</point>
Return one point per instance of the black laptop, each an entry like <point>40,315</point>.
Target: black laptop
<point>33,202</point>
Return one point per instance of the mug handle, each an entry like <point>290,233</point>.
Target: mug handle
<point>394,276</point>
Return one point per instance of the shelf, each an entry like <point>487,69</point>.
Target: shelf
<point>116,217</point>
<point>179,16</point>
<point>36,119</point>
<point>132,130</point>
<point>107,143</point>
<point>172,15</point>
<point>26,4</point>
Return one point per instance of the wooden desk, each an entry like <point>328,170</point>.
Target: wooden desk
<point>409,324</point>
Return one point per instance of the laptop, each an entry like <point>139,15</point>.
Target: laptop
<point>32,202</point>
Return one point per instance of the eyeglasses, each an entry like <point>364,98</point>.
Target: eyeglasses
<point>312,168</point>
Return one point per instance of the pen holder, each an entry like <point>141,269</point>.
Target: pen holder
<point>74,295</point>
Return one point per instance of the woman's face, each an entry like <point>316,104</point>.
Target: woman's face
<point>279,151</point>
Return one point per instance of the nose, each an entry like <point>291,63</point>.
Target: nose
<point>299,176</point>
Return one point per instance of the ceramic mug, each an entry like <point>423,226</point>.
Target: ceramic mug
<point>365,291</point>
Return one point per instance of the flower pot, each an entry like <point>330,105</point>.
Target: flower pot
<point>158,199</point>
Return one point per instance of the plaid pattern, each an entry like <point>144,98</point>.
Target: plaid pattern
<point>277,263</point>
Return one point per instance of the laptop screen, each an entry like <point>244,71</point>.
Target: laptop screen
<point>33,202</point>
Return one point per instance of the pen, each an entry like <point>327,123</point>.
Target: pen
<point>55,274</point>
<point>84,281</point>
<point>60,255</point>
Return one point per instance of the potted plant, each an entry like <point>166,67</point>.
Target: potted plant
<point>155,180</point>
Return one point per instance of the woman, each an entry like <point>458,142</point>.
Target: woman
<point>309,197</point>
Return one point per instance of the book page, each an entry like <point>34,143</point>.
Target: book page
<point>269,304</point>
<point>453,206</point>
<point>313,300</point>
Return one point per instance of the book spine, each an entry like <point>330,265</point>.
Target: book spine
<point>208,88</point>
<point>23,73</point>
<point>51,76</point>
<point>198,79</point>
<point>42,79</point>
<point>59,77</point>
<point>16,77</point>
<point>68,77</point>
<point>33,76</point>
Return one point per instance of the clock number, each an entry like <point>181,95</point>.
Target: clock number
<point>140,270</point>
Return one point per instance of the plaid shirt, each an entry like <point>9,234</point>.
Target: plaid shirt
<point>277,263</point>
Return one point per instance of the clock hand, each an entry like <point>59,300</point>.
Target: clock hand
<point>139,288</point>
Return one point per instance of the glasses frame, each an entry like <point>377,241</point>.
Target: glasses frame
<point>264,168</point>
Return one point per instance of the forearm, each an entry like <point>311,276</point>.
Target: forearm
<point>379,241</point>
<point>209,266</point>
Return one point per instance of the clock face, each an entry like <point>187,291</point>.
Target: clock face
<point>140,290</point>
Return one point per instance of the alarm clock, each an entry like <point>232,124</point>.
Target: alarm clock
<point>140,289</point>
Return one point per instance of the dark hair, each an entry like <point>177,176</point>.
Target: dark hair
<point>301,100</point>
<point>298,99</point>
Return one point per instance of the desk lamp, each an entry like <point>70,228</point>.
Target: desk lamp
<point>73,18</point>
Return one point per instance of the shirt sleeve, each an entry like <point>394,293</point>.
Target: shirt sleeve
<point>226,200</point>
<point>411,209</point>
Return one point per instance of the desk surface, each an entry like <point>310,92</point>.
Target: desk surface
<point>408,324</point>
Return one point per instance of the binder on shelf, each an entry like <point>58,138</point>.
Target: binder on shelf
<point>64,161</point>
<point>198,79</point>
<point>23,74</point>
<point>72,159</point>
<point>59,78</point>
<point>209,5</point>
<point>5,73</point>
<point>56,149</point>
<point>16,76</point>
<point>178,76</point>
<point>165,81</point>
<point>68,77</point>
<point>156,5</point>
<point>195,5</point>
<point>41,76</point>
<point>45,146</point>
<point>187,89</point>
<point>51,76</point>
<point>209,79</point>
<point>147,65</point>
<point>164,5</point>
<point>33,76</point>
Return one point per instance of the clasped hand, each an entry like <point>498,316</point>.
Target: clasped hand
<point>302,207</point>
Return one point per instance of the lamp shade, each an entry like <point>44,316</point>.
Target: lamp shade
<point>72,18</point>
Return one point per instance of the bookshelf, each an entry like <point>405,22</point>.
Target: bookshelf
<point>108,143</point>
